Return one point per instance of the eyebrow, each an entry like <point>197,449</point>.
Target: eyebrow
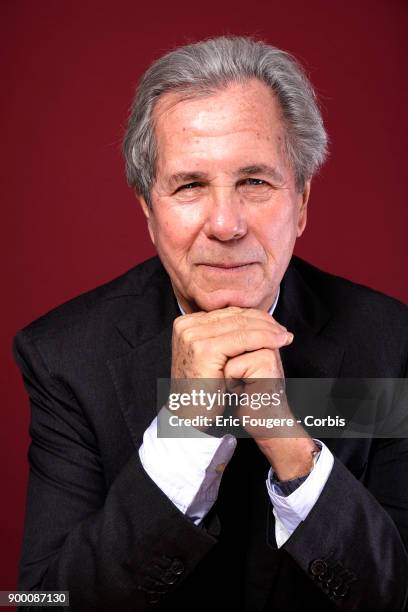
<point>189,177</point>
<point>270,171</point>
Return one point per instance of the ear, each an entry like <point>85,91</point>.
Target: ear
<point>148,213</point>
<point>303,200</point>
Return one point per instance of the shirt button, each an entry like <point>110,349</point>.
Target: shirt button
<point>220,468</point>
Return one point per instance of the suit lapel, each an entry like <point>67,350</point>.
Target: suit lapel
<point>147,329</point>
<point>312,354</point>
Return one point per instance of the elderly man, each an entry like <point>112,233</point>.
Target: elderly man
<point>223,140</point>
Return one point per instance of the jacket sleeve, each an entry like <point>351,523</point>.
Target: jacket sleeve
<point>125,547</point>
<point>353,544</point>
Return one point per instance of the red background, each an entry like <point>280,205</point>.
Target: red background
<point>69,68</point>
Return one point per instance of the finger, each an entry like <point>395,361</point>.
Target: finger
<point>230,345</point>
<point>197,318</point>
<point>230,325</point>
<point>220,313</point>
<point>263,364</point>
<point>213,323</point>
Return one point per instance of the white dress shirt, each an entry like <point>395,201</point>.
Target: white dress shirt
<point>189,470</point>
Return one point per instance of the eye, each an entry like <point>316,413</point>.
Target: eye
<point>256,189</point>
<point>189,186</point>
<point>254,182</point>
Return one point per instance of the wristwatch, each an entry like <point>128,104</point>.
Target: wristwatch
<point>286,487</point>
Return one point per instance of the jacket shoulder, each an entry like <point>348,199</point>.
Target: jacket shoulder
<point>341,295</point>
<point>97,302</point>
<point>372,326</point>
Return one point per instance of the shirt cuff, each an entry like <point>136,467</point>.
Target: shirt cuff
<point>291,510</point>
<point>187,469</point>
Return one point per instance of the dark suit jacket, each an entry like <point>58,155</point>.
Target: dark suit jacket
<point>98,526</point>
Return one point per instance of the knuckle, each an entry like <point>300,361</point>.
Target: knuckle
<point>197,348</point>
<point>187,335</point>
<point>178,324</point>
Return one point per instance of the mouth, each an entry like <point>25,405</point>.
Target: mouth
<point>232,267</point>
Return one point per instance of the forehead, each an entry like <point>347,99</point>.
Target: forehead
<point>245,112</point>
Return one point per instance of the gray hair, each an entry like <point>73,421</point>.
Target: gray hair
<point>204,67</point>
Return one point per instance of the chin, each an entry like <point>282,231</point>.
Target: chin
<point>216,302</point>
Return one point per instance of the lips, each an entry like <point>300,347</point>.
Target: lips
<point>227,266</point>
<point>224,269</point>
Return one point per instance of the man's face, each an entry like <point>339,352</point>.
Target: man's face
<point>225,212</point>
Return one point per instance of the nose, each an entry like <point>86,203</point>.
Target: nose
<point>226,216</point>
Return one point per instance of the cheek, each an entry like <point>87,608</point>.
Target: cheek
<point>278,226</point>
<point>177,227</point>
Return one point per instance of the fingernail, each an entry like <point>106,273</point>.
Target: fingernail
<point>290,337</point>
